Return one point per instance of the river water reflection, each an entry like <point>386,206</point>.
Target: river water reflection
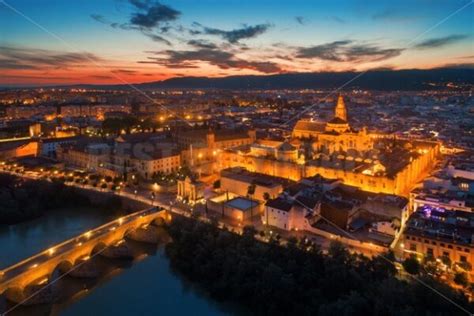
<point>142,286</point>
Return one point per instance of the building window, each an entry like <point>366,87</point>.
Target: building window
<point>429,252</point>
<point>464,186</point>
<point>450,246</point>
<point>413,247</point>
<point>462,258</point>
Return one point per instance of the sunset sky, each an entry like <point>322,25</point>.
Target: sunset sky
<point>118,41</point>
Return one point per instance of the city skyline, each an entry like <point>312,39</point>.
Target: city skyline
<point>139,41</point>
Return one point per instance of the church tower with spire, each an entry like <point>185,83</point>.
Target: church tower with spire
<point>339,123</point>
<point>340,110</point>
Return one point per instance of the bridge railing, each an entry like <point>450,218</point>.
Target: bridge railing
<point>32,261</point>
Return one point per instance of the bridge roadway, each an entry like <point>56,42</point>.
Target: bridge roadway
<point>42,265</point>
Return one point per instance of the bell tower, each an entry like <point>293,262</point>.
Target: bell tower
<point>340,110</point>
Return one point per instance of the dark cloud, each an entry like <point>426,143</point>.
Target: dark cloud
<point>348,51</point>
<point>338,19</point>
<point>202,44</point>
<point>233,36</point>
<point>101,77</point>
<point>152,14</point>
<point>221,59</point>
<point>301,20</point>
<point>99,18</point>
<point>30,58</point>
<point>15,64</point>
<point>36,77</point>
<point>151,18</point>
<point>124,71</point>
<point>441,41</point>
<point>157,38</point>
<point>391,15</point>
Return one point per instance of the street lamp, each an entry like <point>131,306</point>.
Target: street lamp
<point>152,198</point>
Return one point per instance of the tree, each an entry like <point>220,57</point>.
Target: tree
<point>249,231</point>
<point>446,260</point>
<point>460,278</point>
<point>266,196</point>
<point>466,266</point>
<point>294,281</point>
<point>250,192</point>
<point>411,265</point>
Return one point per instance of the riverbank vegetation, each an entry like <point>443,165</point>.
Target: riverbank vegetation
<point>21,199</point>
<point>298,279</point>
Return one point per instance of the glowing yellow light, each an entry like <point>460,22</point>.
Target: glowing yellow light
<point>88,234</point>
<point>51,251</point>
<point>120,220</point>
<point>43,281</point>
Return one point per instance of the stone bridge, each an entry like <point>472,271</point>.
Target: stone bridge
<point>41,268</point>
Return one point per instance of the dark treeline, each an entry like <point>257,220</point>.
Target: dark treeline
<point>21,200</point>
<point>297,279</point>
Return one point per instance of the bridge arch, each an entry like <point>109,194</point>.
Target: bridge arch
<point>128,232</point>
<point>100,246</point>
<point>158,221</point>
<point>62,267</point>
<point>13,294</point>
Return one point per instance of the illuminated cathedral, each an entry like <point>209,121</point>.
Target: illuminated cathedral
<point>370,161</point>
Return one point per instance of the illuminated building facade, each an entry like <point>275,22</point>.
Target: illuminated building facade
<point>439,234</point>
<point>372,162</point>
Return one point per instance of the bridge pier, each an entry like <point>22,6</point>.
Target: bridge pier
<point>118,250</point>
<point>84,268</point>
<point>147,233</point>
<point>37,292</point>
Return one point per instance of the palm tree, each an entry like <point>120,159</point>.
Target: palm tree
<point>266,196</point>
<point>250,192</point>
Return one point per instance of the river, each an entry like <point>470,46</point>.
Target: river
<point>145,285</point>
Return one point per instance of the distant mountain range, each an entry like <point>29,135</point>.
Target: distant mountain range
<point>413,79</point>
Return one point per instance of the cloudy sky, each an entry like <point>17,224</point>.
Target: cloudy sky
<point>117,41</point>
